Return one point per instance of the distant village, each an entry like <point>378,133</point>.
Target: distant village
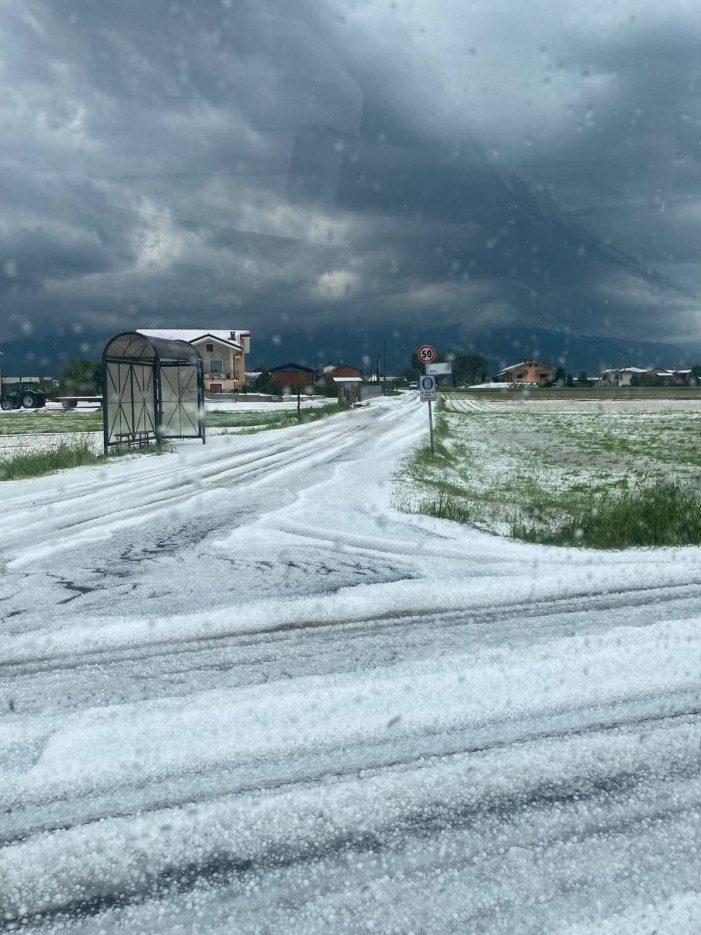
<point>224,360</point>
<point>223,353</point>
<point>529,372</point>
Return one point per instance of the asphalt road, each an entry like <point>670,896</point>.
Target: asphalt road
<point>239,692</point>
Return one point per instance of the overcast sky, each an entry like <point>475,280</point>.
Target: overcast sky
<point>278,166</point>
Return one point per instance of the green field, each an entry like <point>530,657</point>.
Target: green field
<point>541,475</point>
<point>42,422</point>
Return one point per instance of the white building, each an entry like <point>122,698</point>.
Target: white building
<point>223,354</point>
<point>620,376</point>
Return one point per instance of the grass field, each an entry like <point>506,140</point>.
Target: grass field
<point>560,477</point>
<point>53,422</point>
<point>585,393</point>
<point>49,422</point>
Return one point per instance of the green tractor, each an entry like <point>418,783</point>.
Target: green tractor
<point>21,394</point>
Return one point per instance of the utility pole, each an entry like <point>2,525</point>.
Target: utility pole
<point>384,368</point>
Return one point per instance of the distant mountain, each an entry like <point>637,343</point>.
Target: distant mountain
<point>44,355</point>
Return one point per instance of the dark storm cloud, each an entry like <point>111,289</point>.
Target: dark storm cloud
<point>279,165</point>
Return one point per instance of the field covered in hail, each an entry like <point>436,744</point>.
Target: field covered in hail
<point>501,463</point>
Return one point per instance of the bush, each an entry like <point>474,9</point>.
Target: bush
<point>322,389</point>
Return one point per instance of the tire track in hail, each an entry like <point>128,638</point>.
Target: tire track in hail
<point>386,622</point>
<point>218,477</point>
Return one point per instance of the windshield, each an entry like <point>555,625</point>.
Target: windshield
<point>349,485</point>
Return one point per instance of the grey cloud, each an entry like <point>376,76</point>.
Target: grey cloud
<point>251,161</point>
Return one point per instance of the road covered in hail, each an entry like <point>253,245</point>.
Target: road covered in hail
<point>241,692</point>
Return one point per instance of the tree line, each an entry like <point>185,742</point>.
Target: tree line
<point>467,368</point>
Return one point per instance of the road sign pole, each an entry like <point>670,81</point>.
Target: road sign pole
<point>430,426</point>
<point>427,385</point>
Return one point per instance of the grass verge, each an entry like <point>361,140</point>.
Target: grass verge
<point>26,464</point>
<point>659,515</point>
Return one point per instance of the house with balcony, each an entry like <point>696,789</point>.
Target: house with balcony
<point>223,353</point>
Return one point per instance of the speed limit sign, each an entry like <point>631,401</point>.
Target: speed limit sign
<point>426,353</point>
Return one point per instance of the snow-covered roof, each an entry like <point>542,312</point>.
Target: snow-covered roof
<point>525,363</point>
<point>192,335</point>
<point>347,379</point>
<point>626,370</point>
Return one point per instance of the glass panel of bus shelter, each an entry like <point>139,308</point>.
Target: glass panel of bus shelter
<point>179,402</point>
<point>130,402</point>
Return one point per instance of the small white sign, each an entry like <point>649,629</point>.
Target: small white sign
<point>439,369</point>
<point>427,387</point>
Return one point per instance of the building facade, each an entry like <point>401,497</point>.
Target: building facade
<point>620,376</point>
<point>223,354</point>
<point>289,375</point>
<point>345,370</point>
<point>526,371</point>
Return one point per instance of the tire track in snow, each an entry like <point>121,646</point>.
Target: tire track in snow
<point>199,460</point>
<point>134,500</point>
<point>610,802</point>
<point>354,626</point>
<point>311,768</point>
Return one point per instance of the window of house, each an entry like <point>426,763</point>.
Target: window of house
<point>209,348</point>
<point>215,366</point>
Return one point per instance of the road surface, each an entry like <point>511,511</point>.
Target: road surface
<point>241,692</point>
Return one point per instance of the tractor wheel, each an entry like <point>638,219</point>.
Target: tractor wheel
<point>6,404</point>
<point>28,401</point>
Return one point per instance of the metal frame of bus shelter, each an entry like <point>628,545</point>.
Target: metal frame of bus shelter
<point>152,388</point>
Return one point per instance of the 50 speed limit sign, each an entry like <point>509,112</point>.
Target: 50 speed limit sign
<point>426,354</point>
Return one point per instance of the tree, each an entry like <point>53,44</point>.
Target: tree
<point>645,379</point>
<point>695,375</point>
<point>470,369</point>
<point>583,378</point>
<point>80,378</point>
<point>467,368</point>
<point>265,383</point>
<point>569,380</point>
<point>560,376</point>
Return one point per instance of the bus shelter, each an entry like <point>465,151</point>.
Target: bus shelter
<point>152,388</point>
